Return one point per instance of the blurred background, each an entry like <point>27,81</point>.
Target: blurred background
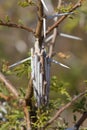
<point>15,44</point>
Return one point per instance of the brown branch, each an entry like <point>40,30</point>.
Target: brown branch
<point>27,116</point>
<point>15,25</point>
<point>64,108</point>
<point>40,20</point>
<point>29,92</point>
<point>9,86</point>
<point>81,120</point>
<point>78,4</point>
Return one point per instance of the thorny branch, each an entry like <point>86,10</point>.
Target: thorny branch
<point>38,34</point>
<point>15,25</point>
<point>55,31</point>
<point>78,4</point>
<point>64,108</point>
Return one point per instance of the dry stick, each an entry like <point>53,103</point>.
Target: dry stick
<point>63,108</point>
<point>78,4</point>
<point>26,112</point>
<point>9,86</point>
<point>14,25</point>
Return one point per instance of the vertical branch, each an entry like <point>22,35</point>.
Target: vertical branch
<point>52,44</point>
<point>40,20</point>
<point>27,116</point>
<point>39,27</point>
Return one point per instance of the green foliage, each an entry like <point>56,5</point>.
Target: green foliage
<point>61,88</point>
<point>7,19</point>
<point>25,3</point>
<point>15,119</point>
<point>81,105</point>
<point>70,25</point>
<point>42,118</point>
<point>20,22</point>
<point>3,89</point>
<point>64,9</point>
<point>19,71</point>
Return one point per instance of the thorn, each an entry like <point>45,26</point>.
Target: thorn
<point>49,38</point>
<point>57,15</point>
<point>44,5</point>
<point>70,36</point>
<point>64,35</point>
<point>44,27</point>
<point>19,62</point>
<point>56,62</point>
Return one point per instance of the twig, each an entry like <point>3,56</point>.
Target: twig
<point>64,108</point>
<point>15,25</point>
<point>78,4</point>
<point>27,116</point>
<point>9,86</point>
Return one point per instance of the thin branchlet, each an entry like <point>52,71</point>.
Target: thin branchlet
<point>77,5</point>
<point>15,25</point>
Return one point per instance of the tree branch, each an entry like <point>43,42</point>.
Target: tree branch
<point>78,4</point>
<point>81,120</point>
<point>40,20</point>
<point>64,108</point>
<point>9,86</point>
<point>15,25</point>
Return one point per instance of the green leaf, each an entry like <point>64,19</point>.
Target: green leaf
<point>25,3</point>
<point>20,22</point>
<point>7,19</point>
